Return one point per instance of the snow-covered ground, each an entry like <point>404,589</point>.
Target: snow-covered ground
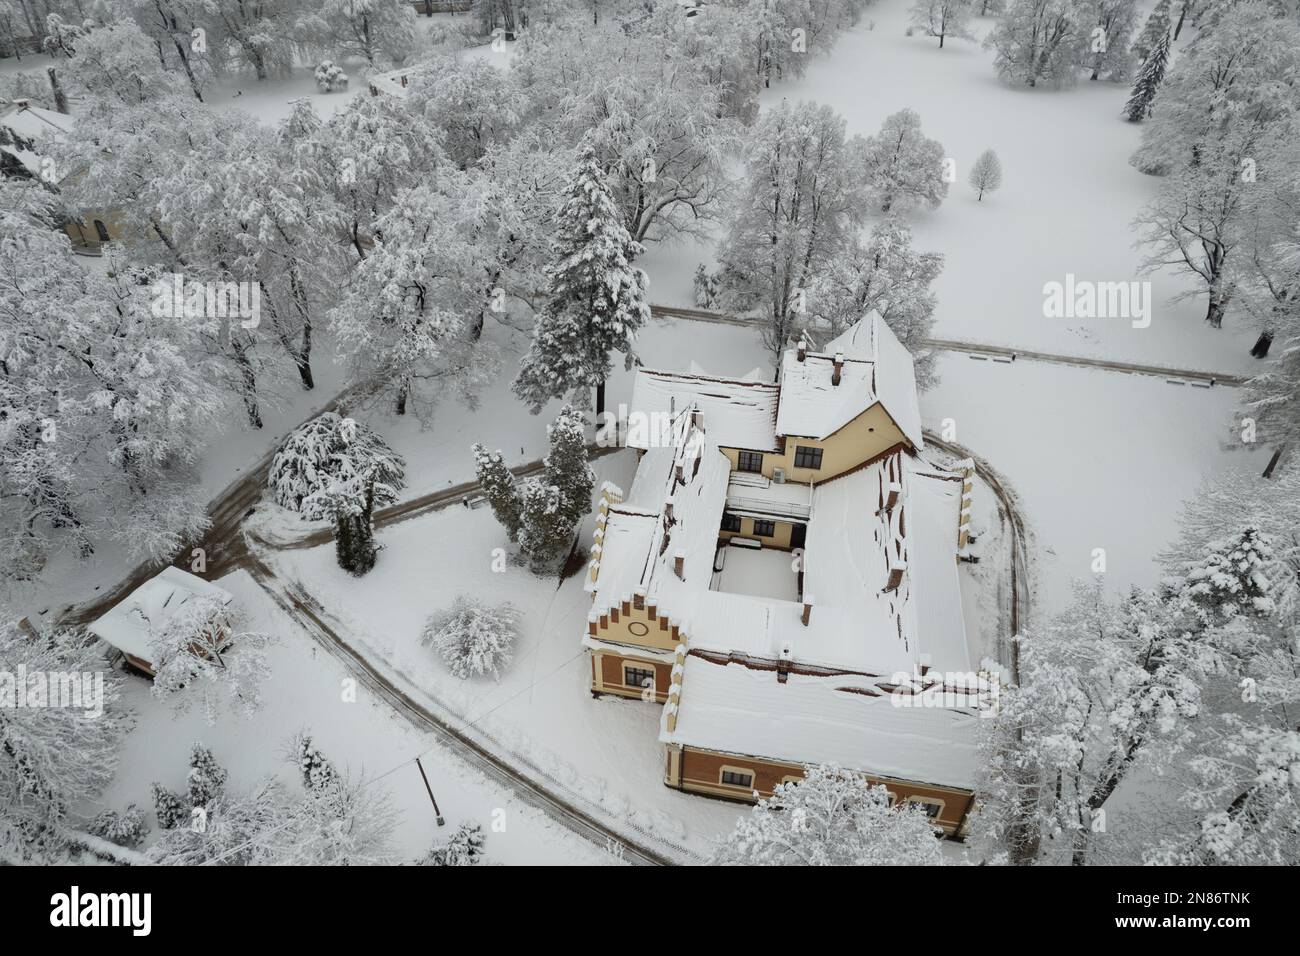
<point>305,691</point>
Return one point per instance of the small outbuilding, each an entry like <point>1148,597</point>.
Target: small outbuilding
<point>130,625</point>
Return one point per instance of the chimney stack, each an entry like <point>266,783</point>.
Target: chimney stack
<point>802,353</point>
<point>668,511</point>
<point>697,418</point>
<point>679,564</point>
<point>839,367</point>
<point>895,576</point>
<point>783,664</point>
<point>808,602</point>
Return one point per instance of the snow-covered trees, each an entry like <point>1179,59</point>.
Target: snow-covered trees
<point>100,398</point>
<point>799,207</point>
<point>1041,40</point>
<point>542,512</point>
<point>1103,689</point>
<point>463,848</point>
<point>337,469</point>
<point>126,828</point>
<point>330,77</point>
<point>119,63</point>
<point>473,638</point>
<point>205,652</point>
<point>173,26</point>
<point>1109,56</point>
<point>1230,580</point>
<point>943,18</point>
<point>378,31</point>
<point>832,817</point>
<point>260,36</point>
<point>335,821</point>
<point>595,299</point>
<point>1157,26</point>
<point>903,168</point>
<point>885,274</point>
<point>986,174</point>
<point>204,786</point>
<point>1150,76</point>
<point>53,758</point>
<point>471,103</point>
<point>1219,113</point>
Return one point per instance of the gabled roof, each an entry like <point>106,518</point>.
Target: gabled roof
<point>32,125</point>
<point>738,413</point>
<point>131,623</point>
<point>877,368</point>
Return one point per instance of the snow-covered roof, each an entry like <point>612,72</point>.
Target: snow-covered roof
<point>129,625</point>
<point>641,542</point>
<point>738,413</point>
<point>394,82</point>
<point>34,125</point>
<point>876,368</point>
<point>844,718</point>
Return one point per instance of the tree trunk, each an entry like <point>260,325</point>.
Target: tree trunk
<point>60,101</point>
<point>1218,307</point>
<point>1182,15</point>
<point>399,406</point>
<point>600,398</point>
<point>1261,347</point>
<point>250,381</point>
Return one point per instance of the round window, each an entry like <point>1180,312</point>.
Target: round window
<point>638,629</point>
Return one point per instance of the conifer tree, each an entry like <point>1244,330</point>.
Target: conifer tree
<point>497,483</point>
<point>566,465</point>
<point>1148,81</point>
<point>595,299</point>
<point>1157,26</point>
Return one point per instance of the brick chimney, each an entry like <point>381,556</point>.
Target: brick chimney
<point>895,576</point>
<point>679,564</point>
<point>668,510</point>
<point>808,602</point>
<point>697,418</point>
<point>802,352</point>
<point>783,664</point>
<point>839,367</point>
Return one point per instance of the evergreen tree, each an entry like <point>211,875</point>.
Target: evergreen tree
<point>545,531</point>
<point>986,174</point>
<point>1148,81</point>
<point>566,465</point>
<point>595,299</point>
<point>168,807</point>
<point>318,774</point>
<point>498,485</point>
<point>465,848</point>
<point>1232,579</point>
<point>206,777</point>
<point>473,638</point>
<point>1157,26</point>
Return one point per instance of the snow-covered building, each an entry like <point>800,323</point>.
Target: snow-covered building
<point>782,575</point>
<point>26,131</point>
<point>131,624</point>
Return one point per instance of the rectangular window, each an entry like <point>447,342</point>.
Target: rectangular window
<point>738,778</point>
<point>638,676</point>
<point>764,529</point>
<point>932,808</point>
<point>731,522</point>
<point>750,461</point>
<point>806,457</point>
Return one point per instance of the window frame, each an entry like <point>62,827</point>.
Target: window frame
<point>649,673</point>
<point>739,522</point>
<point>928,802</point>
<point>744,459</point>
<point>761,523</point>
<point>726,769</point>
<point>803,452</point>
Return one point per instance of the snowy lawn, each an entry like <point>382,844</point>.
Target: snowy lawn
<point>1098,459</point>
<point>304,691</point>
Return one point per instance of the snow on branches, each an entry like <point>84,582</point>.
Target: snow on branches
<point>832,817</point>
<point>474,638</point>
